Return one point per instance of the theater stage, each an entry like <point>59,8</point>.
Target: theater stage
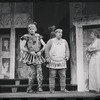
<point>47,95</point>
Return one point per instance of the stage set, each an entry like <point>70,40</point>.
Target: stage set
<point>14,19</point>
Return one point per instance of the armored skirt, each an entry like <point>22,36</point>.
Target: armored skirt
<point>30,59</point>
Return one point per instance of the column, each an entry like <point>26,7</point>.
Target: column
<point>12,54</point>
<point>12,44</point>
<point>79,58</point>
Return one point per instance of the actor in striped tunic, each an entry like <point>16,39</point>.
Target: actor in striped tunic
<point>57,53</point>
<point>30,45</point>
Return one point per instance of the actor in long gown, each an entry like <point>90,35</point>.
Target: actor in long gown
<point>94,62</point>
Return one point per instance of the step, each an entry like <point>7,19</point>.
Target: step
<point>13,81</point>
<point>22,88</point>
<point>25,81</point>
<point>8,85</point>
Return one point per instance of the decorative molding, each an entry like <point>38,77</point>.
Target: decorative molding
<point>20,20</point>
<point>87,20</point>
<point>7,20</point>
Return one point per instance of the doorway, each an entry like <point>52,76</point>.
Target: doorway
<point>20,68</point>
<point>55,13</point>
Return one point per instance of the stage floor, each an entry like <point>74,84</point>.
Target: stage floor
<point>47,94</point>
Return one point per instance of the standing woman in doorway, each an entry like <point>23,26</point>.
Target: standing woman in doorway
<point>94,62</point>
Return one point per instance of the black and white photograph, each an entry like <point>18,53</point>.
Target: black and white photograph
<point>49,50</point>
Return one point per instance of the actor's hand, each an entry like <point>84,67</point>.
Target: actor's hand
<point>39,53</point>
<point>66,58</point>
<point>33,53</point>
<point>48,60</point>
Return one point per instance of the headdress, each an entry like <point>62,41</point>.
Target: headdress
<point>32,25</point>
<point>58,30</point>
